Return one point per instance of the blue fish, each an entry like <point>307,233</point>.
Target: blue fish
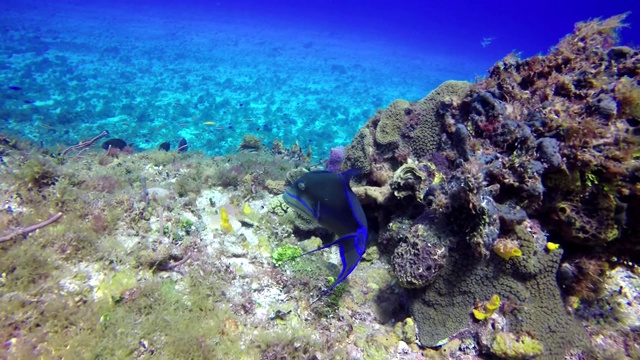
<point>327,197</point>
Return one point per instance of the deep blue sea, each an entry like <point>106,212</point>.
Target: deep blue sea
<point>212,71</point>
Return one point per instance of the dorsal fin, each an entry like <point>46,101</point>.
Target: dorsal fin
<point>347,175</point>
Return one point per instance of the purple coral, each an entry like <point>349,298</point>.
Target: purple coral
<point>336,156</point>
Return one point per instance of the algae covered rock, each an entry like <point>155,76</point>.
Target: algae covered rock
<point>621,296</point>
<point>510,346</point>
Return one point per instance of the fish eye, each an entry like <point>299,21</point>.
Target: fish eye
<point>301,185</point>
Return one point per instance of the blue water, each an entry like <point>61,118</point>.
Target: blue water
<point>212,71</point>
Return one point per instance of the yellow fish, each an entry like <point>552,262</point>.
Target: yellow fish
<point>209,123</point>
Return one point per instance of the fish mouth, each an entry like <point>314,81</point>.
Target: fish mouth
<point>299,205</point>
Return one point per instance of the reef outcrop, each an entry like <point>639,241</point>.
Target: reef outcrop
<point>541,152</point>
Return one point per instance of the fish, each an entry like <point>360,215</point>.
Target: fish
<point>182,145</point>
<point>114,143</point>
<point>208,123</point>
<point>15,88</point>
<point>486,41</point>
<point>164,146</point>
<point>327,198</point>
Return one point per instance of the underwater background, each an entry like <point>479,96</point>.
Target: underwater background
<point>213,71</point>
<point>319,180</point>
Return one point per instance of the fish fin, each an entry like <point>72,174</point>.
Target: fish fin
<point>347,175</point>
<point>351,250</point>
<point>335,242</point>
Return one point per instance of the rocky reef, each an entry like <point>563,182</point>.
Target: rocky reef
<point>490,188</point>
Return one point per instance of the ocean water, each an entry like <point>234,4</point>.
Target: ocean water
<point>310,72</point>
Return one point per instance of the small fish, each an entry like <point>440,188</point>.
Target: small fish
<point>209,123</point>
<point>15,88</point>
<point>327,197</point>
<point>114,143</point>
<point>29,101</point>
<point>182,145</point>
<point>486,41</point>
<point>164,146</point>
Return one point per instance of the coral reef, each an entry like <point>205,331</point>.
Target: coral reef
<point>535,162</point>
<point>575,106</point>
<point>403,130</point>
<point>504,208</point>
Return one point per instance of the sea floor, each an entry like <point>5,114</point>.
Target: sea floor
<point>71,70</point>
<point>141,262</point>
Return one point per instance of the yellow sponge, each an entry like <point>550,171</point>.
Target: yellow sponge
<point>507,249</point>
<point>224,221</point>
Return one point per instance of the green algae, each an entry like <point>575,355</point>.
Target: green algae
<point>116,284</point>
<point>154,317</point>
<point>286,252</point>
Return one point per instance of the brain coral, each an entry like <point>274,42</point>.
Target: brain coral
<point>425,139</point>
<point>358,154</point>
<point>391,121</point>
<point>444,307</point>
<point>403,130</point>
